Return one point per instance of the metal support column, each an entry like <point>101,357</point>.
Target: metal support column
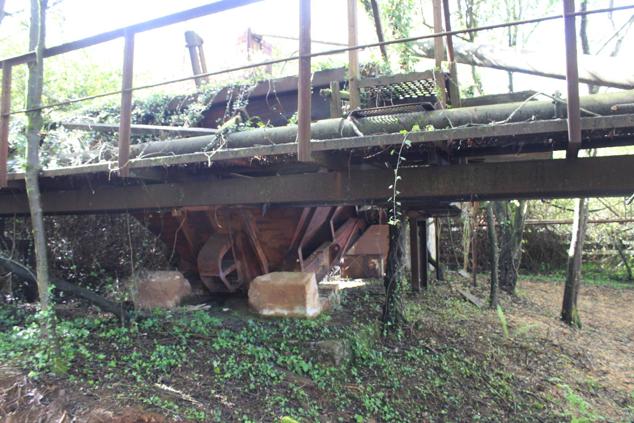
<point>5,109</point>
<point>353,56</point>
<point>126,106</point>
<point>422,254</point>
<point>304,84</point>
<point>414,246</point>
<point>572,79</point>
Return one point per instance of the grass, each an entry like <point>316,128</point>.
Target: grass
<point>450,362</point>
<point>590,275</point>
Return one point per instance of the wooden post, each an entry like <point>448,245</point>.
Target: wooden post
<point>5,109</point>
<point>335,100</point>
<point>126,106</point>
<point>572,79</point>
<point>354,73</point>
<point>422,254</point>
<point>414,244</point>
<point>439,53</point>
<point>304,87</point>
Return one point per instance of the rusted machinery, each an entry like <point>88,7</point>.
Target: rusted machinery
<point>227,247</point>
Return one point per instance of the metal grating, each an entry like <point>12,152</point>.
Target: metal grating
<point>400,92</point>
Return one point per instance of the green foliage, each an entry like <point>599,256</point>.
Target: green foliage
<point>578,410</point>
<point>502,318</point>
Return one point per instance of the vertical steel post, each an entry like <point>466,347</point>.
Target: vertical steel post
<point>304,84</point>
<point>354,73</point>
<point>414,254</point>
<point>422,254</point>
<point>126,106</point>
<point>572,79</point>
<point>439,53</point>
<point>5,109</point>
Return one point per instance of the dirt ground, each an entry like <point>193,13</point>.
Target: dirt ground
<point>455,363</point>
<point>603,350</point>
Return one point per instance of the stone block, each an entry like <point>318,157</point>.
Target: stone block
<point>285,294</point>
<point>160,289</point>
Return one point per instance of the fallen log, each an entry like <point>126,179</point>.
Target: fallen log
<point>28,275</point>
<point>594,70</point>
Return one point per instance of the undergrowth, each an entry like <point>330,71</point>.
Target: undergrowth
<point>215,366</point>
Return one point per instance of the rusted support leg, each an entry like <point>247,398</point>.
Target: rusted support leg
<point>414,254</point>
<point>423,258</point>
<point>5,109</point>
<point>572,80</point>
<point>304,84</point>
<point>126,106</point>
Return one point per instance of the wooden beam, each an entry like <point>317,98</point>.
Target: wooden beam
<point>5,110</point>
<point>599,176</point>
<point>126,106</point>
<point>572,80</point>
<point>354,73</point>
<point>304,89</point>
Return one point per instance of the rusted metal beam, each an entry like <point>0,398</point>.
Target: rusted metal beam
<point>599,176</point>
<point>5,109</point>
<point>354,74</point>
<point>126,106</point>
<point>304,89</point>
<point>572,80</point>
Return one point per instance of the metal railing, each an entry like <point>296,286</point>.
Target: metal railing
<point>304,57</point>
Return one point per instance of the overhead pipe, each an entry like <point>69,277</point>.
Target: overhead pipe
<point>598,104</point>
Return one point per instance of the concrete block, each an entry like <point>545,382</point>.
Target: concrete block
<point>285,294</point>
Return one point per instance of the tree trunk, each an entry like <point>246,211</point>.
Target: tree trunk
<point>511,221</point>
<point>33,128</point>
<point>493,241</point>
<point>392,313</point>
<point>569,312</point>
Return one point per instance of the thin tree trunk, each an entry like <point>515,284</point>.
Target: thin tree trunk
<point>569,311</point>
<point>34,126</point>
<point>493,241</point>
<point>620,248</point>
